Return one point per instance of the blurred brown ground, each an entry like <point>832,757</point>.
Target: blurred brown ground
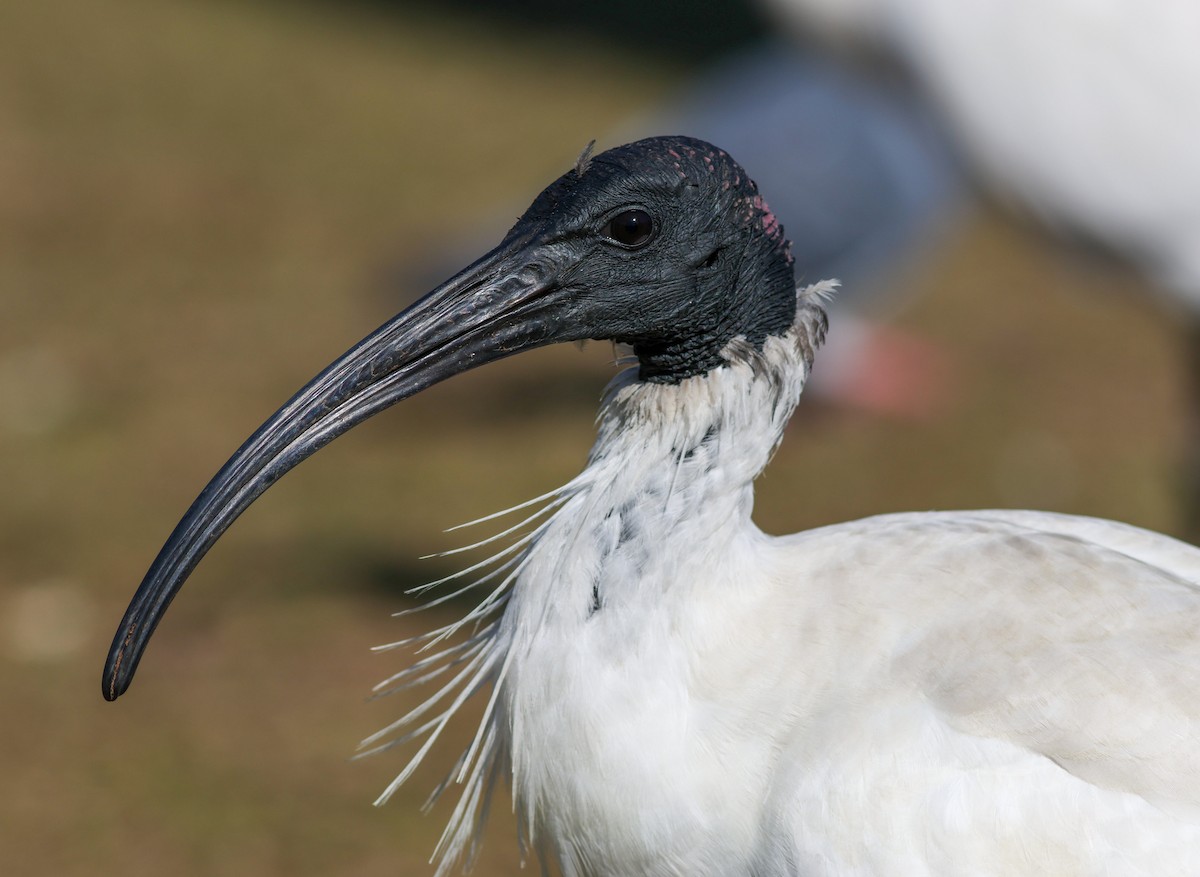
<point>198,202</point>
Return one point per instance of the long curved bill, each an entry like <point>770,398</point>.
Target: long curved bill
<point>502,304</point>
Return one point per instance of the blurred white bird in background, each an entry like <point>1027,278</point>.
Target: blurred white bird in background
<point>1086,112</point>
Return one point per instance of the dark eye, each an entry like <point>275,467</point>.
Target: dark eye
<point>630,228</point>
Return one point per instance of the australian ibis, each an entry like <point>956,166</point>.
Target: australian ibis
<point>670,691</point>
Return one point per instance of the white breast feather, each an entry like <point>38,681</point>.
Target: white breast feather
<point>672,692</point>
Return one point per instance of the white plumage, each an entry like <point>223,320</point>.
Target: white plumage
<point>682,694</point>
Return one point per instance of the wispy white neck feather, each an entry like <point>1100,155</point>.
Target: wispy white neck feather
<point>670,462</point>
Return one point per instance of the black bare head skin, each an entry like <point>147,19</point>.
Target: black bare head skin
<point>666,245</point>
<point>663,244</point>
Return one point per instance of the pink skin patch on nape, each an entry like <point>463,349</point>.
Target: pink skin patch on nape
<point>770,224</point>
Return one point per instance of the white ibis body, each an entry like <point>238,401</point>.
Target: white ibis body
<point>672,692</point>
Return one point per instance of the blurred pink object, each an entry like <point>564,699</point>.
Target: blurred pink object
<point>884,371</point>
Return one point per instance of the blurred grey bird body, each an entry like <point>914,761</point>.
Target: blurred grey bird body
<point>673,692</point>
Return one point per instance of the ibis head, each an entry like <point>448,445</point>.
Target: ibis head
<point>663,244</point>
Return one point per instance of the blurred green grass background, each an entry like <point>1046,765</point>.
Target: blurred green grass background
<point>203,203</point>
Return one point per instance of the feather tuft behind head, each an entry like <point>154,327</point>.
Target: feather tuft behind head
<point>585,159</point>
